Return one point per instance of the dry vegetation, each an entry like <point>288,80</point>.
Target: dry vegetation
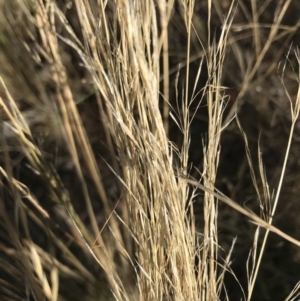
<point>133,135</point>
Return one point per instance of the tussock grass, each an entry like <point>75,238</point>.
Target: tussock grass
<point>148,247</point>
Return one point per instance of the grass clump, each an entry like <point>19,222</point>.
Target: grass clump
<point>98,201</point>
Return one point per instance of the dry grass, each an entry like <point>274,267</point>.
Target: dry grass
<point>143,244</point>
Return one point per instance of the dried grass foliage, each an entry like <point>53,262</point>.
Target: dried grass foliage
<point>154,242</point>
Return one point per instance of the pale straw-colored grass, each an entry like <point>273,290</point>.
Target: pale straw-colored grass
<point>123,46</point>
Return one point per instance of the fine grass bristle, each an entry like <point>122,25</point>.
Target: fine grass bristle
<point>112,173</point>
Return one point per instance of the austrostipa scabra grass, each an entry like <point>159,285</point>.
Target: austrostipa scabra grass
<point>125,137</point>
